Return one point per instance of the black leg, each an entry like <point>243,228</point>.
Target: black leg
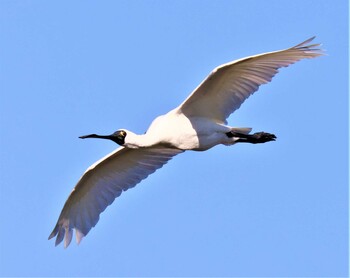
<point>256,138</point>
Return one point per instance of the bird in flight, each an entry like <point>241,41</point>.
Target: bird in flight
<point>198,124</point>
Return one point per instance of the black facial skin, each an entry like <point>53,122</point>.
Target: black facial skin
<point>117,137</point>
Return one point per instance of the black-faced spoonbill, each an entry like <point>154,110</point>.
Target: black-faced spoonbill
<point>199,123</point>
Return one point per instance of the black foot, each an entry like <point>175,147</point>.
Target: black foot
<point>256,138</point>
<point>261,137</point>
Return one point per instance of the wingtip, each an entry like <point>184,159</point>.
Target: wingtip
<point>54,232</point>
<point>58,232</point>
<point>314,49</point>
<point>79,236</point>
<point>306,42</point>
<point>68,237</point>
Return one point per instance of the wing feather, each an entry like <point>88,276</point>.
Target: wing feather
<point>229,85</point>
<point>102,183</point>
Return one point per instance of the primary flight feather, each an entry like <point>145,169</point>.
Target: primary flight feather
<point>199,123</point>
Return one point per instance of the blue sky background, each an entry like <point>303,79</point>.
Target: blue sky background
<point>70,68</point>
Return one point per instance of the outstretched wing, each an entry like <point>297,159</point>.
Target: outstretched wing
<point>102,183</point>
<point>229,85</point>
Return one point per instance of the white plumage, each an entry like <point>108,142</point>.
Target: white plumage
<point>199,123</point>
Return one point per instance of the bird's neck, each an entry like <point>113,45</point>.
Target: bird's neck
<point>135,141</point>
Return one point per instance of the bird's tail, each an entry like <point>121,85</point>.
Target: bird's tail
<point>243,130</point>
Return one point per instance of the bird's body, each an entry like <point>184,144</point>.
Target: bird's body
<point>198,124</point>
<point>175,130</point>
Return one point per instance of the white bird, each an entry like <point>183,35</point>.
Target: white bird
<point>198,124</point>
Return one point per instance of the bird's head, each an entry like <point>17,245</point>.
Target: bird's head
<point>117,137</point>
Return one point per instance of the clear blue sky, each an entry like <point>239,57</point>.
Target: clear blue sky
<point>69,68</point>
